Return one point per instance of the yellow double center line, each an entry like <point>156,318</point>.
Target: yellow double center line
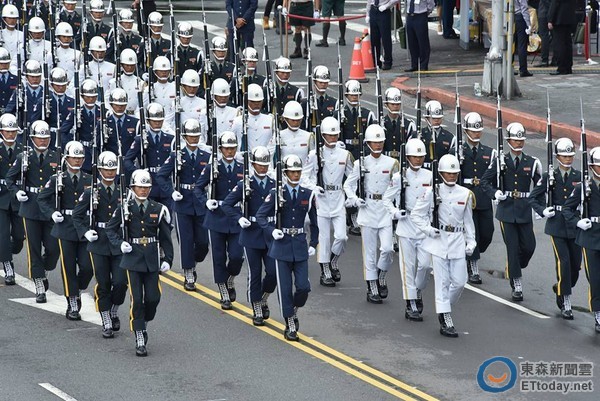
<point>308,345</point>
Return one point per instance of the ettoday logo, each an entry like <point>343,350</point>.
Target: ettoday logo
<point>497,374</point>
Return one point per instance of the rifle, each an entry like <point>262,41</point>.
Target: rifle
<point>123,190</point>
<point>268,75</point>
<point>457,122</point>
<point>116,45</point>
<point>174,54</point>
<point>403,161</point>
<point>214,162</point>
<point>77,113</point>
<point>311,102</point>
<point>143,128</point>
<point>24,141</point>
<point>51,26</point>
<point>239,88</point>
<point>178,161</point>
<point>315,123</point>
<point>25,25</point>
<point>46,111</point>
<point>586,182</point>
<point>246,153</point>
<point>59,170</point>
<point>361,158</point>
<point>207,70</point>
<point>103,124</point>
<point>435,218</point>
<point>500,161</point>
<point>418,104</point>
<point>94,189</point>
<point>278,174</point>
<point>84,46</point>
<point>341,115</point>
<point>379,97</point>
<point>551,180</point>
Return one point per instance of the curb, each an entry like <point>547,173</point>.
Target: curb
<point>531,122</point>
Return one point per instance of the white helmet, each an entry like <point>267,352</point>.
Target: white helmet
<point>219,43</point>
<point>292,163</point>
<point>353,87</point>
<point>249,54</point>
<point>73,149</point>
<point>191,127</point>
<point>161,63</point>
<point>64,29</point>
<point>128,57</point>
<point>564,147</point>
<point>155,111</point>
<point>260,155</point>
<point>58,76</point>
<point>595,157</point>
<point>473,122</point>
<point>449,164</point>
<point>8,122</point>
<point>293,110</point>
<point>283,64</point>
<point>107,160</point>
<point>516,131</point>
<point>96,6</point>
<point>321,74</point>
<point>4,58</point>
<point>434,109</point>
<point>125,15</point>
<point>330,126</point>
<point>10,11</point>
<point>220,87</point>
<point>415,147</point>
<point>36,25</point>
<point>97,43</point>
<point>255,94</point>
<point>392,95</point>
<point>140,178</point>
<point>185,30</point>
<point>89,87</point>
<point>33,68</point>
<point>155,19</point>
<point>39,129</point>
<point>227,139</point>
<point>190,78</point>
<point>374,133</point>
<point>118,96</point>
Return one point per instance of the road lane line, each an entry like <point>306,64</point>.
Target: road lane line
<point>507,303</point>
<point>335,358</point>
<point>57,392</point>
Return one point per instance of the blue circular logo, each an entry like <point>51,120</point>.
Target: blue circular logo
<point>497,374</point>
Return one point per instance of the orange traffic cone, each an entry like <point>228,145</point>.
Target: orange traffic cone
<point>356,70</point>
<point>367,53</point>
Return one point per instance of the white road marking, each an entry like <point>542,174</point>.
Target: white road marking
<point>57,392</point>
<point>56,303</point>
<point>505,302</point>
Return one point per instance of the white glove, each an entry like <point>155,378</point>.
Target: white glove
<point>319,191</point>
<point>176,195</point>
<point>500,196</point>
<point>341,145</point>
<point>549,212</point>
<point>277,234</point>
<point>91,235</point>
<point>57,217</point>
<point>126,247</point>
<point>165,267</point>
<point>244,222</point>
<point>469,249</point>
<point>400,214</point>
<point>360,202</point>
<point>311,251</point>
<point>212,204</point>
<point>528,30</point>
<point>316,14</point>
<point>434,233</point>
<point>349,202</point>
<point>22,196</point>
<point>145,77</point>
<point>284,11</point>
<point>382,8</point>
<point>584,224</point>
<point>367,19</point>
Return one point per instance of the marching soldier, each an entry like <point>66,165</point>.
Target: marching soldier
<point>392,123</point>
<point>294,139</point>
<point>188,56</point>
<point>513,210</point>
<point>41,163</point>
<point>192,106</point>
<point>159,45</point>
<point>127,38</point>
<point>326,105</point>
<point>374,221</point>
<point>37,47</point>
<point>98,68</point>
<point>57,200</point>
<point>122,126</point>
<point>252,237</point>
<point>220,67</point>
<point>8,81</point>
<point>290,249</point>
<point>11,225</point>
<point>414,261</point>
<point>189,211</point>
<point>148,227</point>
<point>567,253</point>
<point>33,93</point>
<point>96,27</point>
<point>336,163</point>
<point>111,280</point>
<point>449,242</point>
<point>128,81</point>
<point>72,17</point>
<point>224,114</point>
<point>224,232</point>
<point>150,149</point>
<point>588,229</point>
<point>66,57</point>
<point>259,126</point>
<point>444,139</point>
<point>10,37</point>
<point>61,117</point>
<point>89,131</point>
<point>476,160</point>
<point>163,91</point>
<point>284,90</point>
<point>249,59</point>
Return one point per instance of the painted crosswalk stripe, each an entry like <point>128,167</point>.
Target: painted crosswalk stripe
<point>57,392</point>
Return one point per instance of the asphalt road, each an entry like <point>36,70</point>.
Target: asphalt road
<point>350,350</point>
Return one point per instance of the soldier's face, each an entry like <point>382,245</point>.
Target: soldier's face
<point>260,169</point>
<point>595,170</point>
<point>89,99</point>
<point>251,65</point>
<point>37,35</point>
<point>565,160</point>
<point>185,41</point>
<point>141,192</point>
<point>10,21</point>
<point>127,26</point>
<point>156,30</point>
<point>118,108</point>
<point>108,175</point>
<point>394,108</point>
<point>190,90</point>
<point>65,41</point>
<point>9,136</point>
<point>416,161</point>
<point>293,124</point>
<point>476,135</point>
<point>516,144</point>
<point>376,146</point>
<point>41,142</point>
<point>293,176</point>
<point>436,122</point>
<point>4,66</point>
<point>220,54</point>
<point>283,76</point>
<point>352,99</point>
<point>162,74</point>
<point>128,68</point>
<point>192,140</point>
<point>75,162</point>
<point>255,105</point>
<point>98,55</point>
<point>59,89</point>
<point>69,6</point>
<point>449,177</point>
<point>34,80</point>
<point>222,100</point>
<point>97,15</point>
<point>321,86</point>
<point>330,140</point>
<point>155,124</point>
<point>228,153</point>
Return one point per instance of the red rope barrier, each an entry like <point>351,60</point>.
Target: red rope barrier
<point>326,19</point>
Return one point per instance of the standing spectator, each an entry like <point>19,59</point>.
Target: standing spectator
<point>337,8</point>
<point>562,22</point>
<point>522,31</point>
<point>242,12</point>
<point>303,8</point>
<point>148,7</point>
<point>380,26</point>
<point>448,19</point>
<point>417,33</point>
<point>542,14</point>
<point>267,13</point>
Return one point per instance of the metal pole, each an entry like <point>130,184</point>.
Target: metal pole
<point>508,59</point>
<point>279,24</point>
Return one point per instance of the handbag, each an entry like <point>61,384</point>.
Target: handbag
<point>399,28</point>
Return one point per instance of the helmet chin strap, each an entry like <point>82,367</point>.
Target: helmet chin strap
<point>332,144</point>
<point>105,178</point>
<point>291,182</point>
<point>283,81</point>
<point>253,111</point>
<point>219,104</point>
<point>476,140</point>
<point>515,149</point>
<point>597,175</point>
<point>413,166</point>
<point>352,103</point>
<point>293,128</point>
<point>320,90</point>
<point>142,198</point>
<point>118,114</point>
<point>8,141</point>
<point>191,145</point>
<point>76,168</point>
<point>565,165</point>
<point>448,183</point>
<point>374,151</point>
<point>394,112</point>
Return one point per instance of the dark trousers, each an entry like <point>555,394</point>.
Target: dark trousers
<point>37,233</point>
<point>256,259</point>
<point>111,281</point>
<point>227,255</point>
<point>563,47</point>
<point>11,227</point>
<point>380,26</point>
<point>144,291</point>
<point>74,254</point>
<point>193,239</point>
<point>417,33</point>
<point>521,41</point>
<point>484,231</point>
<point>567,255</point>
<point>244,39</point>
<point>448,17</point>
<point>269,6</point>
<point>591,261</point>
<point>520,246</point>
<point>288,298</point>
<point>544,32</point>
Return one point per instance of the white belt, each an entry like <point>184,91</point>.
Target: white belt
<point>101,225</point>
<point>595,219</point>
<point>33,190</point>
<point>516,194</point>
<point>332,187</point>
<point>2,181</point>
<point>452,229</point>
<point>86,143</point>
<point>375,196</point>
<point>558,208</point>
<point>67,212</point>
<point>143,240</point>
<point>269,219</point>
<point>293,231</point>
<point>187,186</point>
<point>153,169</point>
<point>351,141</point>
